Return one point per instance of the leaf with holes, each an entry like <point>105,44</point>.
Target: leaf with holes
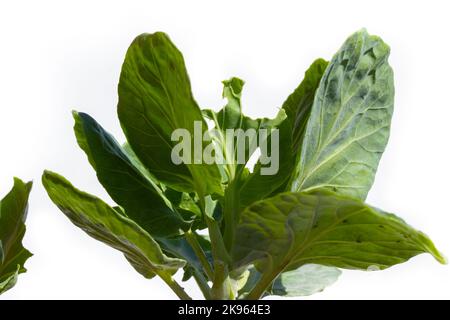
<point>290,230</point>
<point>348,128</point>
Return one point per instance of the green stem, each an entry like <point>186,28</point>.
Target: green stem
<point>192,240</point>
<point>202,284</point>
<point>230,213</point>
<point>218,249</point>
<point>220,256</point>
<point>221,289</point>
<point>232,206</point>
<point>173,284</point>
<point>221,260</point>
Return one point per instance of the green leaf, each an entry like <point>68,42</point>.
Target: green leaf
<point>155,98</point>
<point>186,204</point>
<point>8,281</point>
<point>231,117</point>
<point>304,281</point>
<point>180,248</point>
<point>293,229</point>
<point>291,131</point>
<point>243,187</point>
<point>298,105</point>
<point>258,186</point>
<point>348,129</point>
<point>127,184</point>
<point>308,279</point>
<point>188,207</point>
<point>142,169</point>
<point>105,224</point>
<point>13,212</point>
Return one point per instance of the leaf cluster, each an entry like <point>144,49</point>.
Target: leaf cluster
<point>286,234</point>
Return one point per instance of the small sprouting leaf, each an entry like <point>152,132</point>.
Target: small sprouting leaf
<point>293,229</point>
<point>244,187</point>
<point>348,128</point>
<point>155,99</point>
<point>230,117</point>
<point>107,225</point>
<point>127,184</point>
<point>13,212</point>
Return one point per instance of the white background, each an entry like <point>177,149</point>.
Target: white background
<point>56,56</point>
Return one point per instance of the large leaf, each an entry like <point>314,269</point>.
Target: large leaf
<point>155,99</point>
<point>105,224</point>
<point>293,229</point>
<point>126,183</point>
<point>350,119</point>
<point>13,212</point>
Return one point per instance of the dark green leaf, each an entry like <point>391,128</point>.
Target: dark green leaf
<point>103,223</point>
<point>186,204</point>
<point>155,98</point>
<point>258,186</point>
<point>293,229</point>
<point>180,248</point>
<point>127,183</point>
<point>13,212</point>
<point>350,119</point>
<point>9,280</point>
<point>298,105</point>
<point>138,164</point>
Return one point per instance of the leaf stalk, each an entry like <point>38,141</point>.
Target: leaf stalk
<point>193,242</point>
